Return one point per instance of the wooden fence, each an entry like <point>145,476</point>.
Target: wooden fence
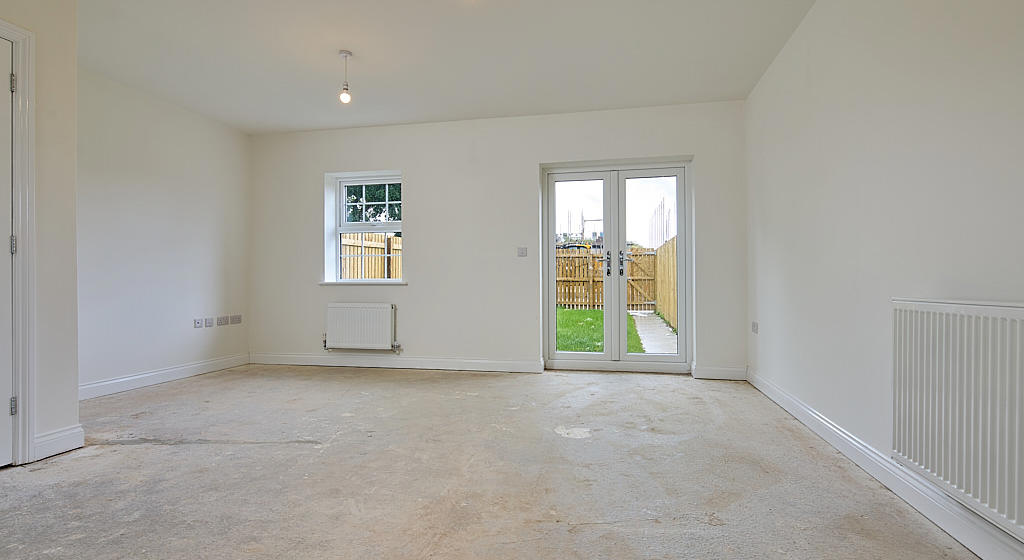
<point>641,294</point>
<point>667,283</point>
<point>375,255</point>
<point>579,279</point>
<point>580,274</point>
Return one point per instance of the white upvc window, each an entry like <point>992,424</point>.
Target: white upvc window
<point>363,228</point>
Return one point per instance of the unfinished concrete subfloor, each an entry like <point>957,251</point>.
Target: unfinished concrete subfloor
<point>312,462</point>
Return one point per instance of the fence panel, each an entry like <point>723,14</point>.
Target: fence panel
<point>651,286</point>
<point>579,279</point>
<point>640,288</point>
<point>667,282</point>
<point>395,261</point>
<point>370,256</point>
<point>579,283</point>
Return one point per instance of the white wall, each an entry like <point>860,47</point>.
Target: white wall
<point>471,196</point>
<point>54,26</point>
<point>884,148</point>
<point>162,210</point>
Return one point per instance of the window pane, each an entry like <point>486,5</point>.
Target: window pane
<point>375,193</point>
<point>395,212</point>
<point>350,269</point>
<point>371,256</point>
<point>354,193</point>
<point>375,213</point>
<point>375,266</point>
<point>395,192</point>
<point>375,243</point>
<point>651,297</point>
<point>351,244</point>
<point>578,243</point>
<point>354,213</point>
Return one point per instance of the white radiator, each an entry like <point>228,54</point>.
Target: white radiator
<point>361,325</point>
<point>958,393</point>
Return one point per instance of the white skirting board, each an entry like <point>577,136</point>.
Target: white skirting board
<point>162,375</point>
<point>353,359</point>
<point>717,372</point>
<point>973,531</point>
<point>54,442</point>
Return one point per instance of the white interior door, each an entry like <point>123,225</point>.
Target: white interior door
<point>6,262</point>
<point>615,270</point>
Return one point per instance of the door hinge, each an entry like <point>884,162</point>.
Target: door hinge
<point>14,405</point>
<point>14,244</point>
<point>14,83</point>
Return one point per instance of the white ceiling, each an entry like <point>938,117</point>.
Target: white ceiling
<point>270,65</point>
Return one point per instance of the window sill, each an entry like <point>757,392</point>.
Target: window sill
<point>366,283</point>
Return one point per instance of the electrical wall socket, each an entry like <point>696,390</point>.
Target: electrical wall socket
<point>521,251</point>
<point>222,320</point>
<point>754,327</point>
<point>197,323</point>
<point>208,321</point>
<point>236,319</point>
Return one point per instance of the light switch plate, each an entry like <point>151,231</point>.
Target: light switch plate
<point>222,320</point>
<point>208,321</point>
<point>521,251</point>
<point>236,319</point>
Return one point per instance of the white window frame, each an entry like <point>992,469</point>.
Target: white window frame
<point>335,225</point>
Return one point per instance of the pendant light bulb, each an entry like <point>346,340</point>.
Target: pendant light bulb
<point>345,96</point>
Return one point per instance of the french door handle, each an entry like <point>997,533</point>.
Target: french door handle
<point>622,263</point>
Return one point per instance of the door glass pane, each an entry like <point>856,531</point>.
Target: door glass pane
<point>579,272</point>
<point>651,283</point>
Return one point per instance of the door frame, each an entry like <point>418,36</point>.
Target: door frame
<point>23,227</point>
<point>684,193</point>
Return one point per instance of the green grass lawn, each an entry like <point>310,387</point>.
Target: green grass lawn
<point>582,330</point>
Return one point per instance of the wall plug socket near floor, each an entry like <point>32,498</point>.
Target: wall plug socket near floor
<point>208,321</point>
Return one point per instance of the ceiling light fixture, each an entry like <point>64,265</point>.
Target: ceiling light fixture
<point>345,96</point>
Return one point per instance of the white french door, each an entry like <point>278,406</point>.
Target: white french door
<point>615,270</point>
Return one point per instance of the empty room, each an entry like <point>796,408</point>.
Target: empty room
<point>496,279</point>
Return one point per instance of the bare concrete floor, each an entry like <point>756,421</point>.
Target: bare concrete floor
<point>310,462</point>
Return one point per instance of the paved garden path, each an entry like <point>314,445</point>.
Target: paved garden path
<point>656,336</point>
